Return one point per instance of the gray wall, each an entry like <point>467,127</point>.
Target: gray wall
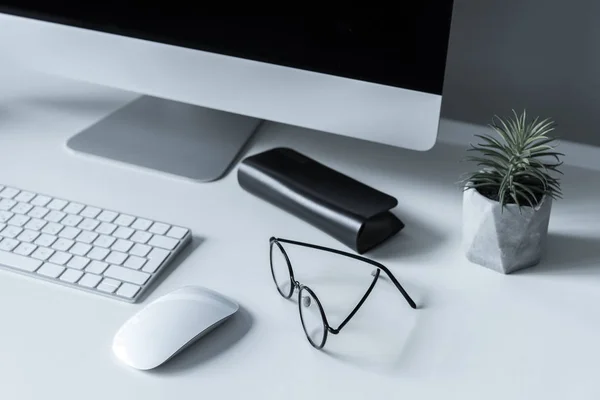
<point>543,55</point>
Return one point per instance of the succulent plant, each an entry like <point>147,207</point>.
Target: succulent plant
<point>519,166</point>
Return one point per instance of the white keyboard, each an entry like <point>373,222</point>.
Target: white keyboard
<point>85,247</point>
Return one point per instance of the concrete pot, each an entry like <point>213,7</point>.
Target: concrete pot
<point>504,240</point>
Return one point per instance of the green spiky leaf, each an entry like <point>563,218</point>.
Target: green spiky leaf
<point>517,163</point>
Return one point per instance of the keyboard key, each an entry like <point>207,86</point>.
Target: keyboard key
<point>80,249</point>
<point>86,237</point>
<point>50,270</point>
<point>71,220</point>
<point>2,226</point>
<point>163,242</point>
<point>11,231</point>
<point>74,208</point>
<point>78,262</point>
<point>69,232</point>
<point>112,282</point>
<point>141,237</point>
<point>18,262</point>
<point>25,197</point>
<point>45,240</point>
<point>63,244</point>
<point>71,275</point>
<point>89,280</point>
<point>18,220</point>
<point>25,249</point>
<point>28,236</point>
<point>124,220</point>
<point>128,290</point>
<point>177,232</point>
<point>8,244</point>
<point>88,224</point>
<point>106,228</point>
<point>35,224</point>
<point>141,224</point>
<point>116,257</point>
<point>57,204</point>
<point>159,228</point>
<point>103,287</point>
<point>90,212</point>
<point>122,245</point>
<point>98,253</point>
<point>155,260</point>
<point>134,262</point>
<point>60,258</point>
<point>123,232</point>
<point>5,216</point>
<point>22,208</point>
<point>96,267</point>
<point>9,193</point>
<point>38,212</point>
<point>40,200</point>
<point>104,241</point>
<point>126,274</point>
<point>140,250</point>
<point>42,253</point>
<point>7,204</point>
<point>107,216</point>
<point>52,228</point>
<point>55,216</point>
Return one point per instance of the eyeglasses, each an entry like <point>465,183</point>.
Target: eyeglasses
<point>313,318</point>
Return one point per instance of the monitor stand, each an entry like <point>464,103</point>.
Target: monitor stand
<point>177,138</point>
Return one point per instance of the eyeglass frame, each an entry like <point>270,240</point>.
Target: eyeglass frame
<point>295,285</point>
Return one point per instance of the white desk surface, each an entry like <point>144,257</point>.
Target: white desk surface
<point>479,334</point>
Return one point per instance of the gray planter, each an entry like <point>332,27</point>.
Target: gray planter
<point>504,240</point>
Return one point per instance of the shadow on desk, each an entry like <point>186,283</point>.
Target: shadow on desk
<point>416,239</point>
<point>219,341</point>
<point>77,103</point>
<point>569,254</point>
<point>377,348</point>
<point>3,116</point>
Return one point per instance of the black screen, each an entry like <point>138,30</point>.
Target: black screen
<point>403,46</point>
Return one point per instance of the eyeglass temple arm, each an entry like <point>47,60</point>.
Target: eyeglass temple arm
<point>398,286</point>
<point>358,306</point>
<point>368,261</point>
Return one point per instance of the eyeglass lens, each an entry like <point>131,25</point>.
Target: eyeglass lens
<point>311,313</point>
<point>281,271</point>
<point>312,318</point>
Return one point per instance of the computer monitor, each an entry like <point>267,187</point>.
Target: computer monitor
<point>208,81</point>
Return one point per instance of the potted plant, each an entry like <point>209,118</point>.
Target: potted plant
<point>507,201</point>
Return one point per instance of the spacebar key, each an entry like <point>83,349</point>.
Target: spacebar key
<point>126,274</point>
<point>17,261</point>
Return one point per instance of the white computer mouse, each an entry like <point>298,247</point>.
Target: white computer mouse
<point>169,324</point>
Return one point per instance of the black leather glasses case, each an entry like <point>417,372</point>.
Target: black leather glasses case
<point>355,214</point>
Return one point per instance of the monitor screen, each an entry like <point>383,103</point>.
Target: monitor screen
<point>404,46</point>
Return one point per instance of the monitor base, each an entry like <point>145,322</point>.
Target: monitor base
<point>176,138</point>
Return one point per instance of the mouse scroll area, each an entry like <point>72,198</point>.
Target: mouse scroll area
<point>168,325</point>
